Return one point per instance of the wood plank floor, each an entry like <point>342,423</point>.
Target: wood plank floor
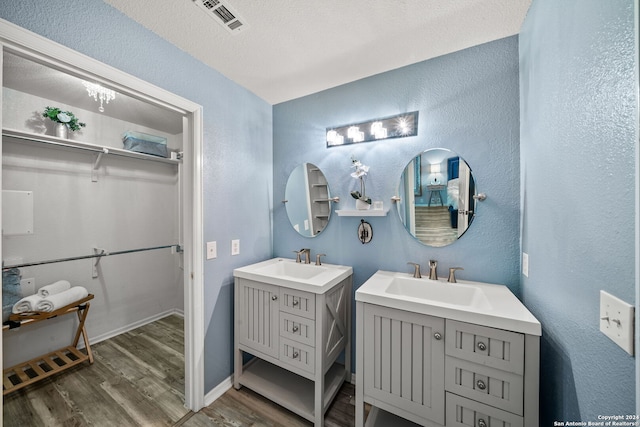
<point>137,379</point>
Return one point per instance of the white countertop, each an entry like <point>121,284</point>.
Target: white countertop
<point>303,277</point>
<point>504,310</point>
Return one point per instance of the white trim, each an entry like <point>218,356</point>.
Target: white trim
<point>636,30</point>
<point>26,43</point>
<point>218,391</point>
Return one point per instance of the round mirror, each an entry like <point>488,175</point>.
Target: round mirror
<point>308,200</point>
<point>436,191</point>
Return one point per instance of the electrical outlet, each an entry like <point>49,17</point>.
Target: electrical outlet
<point>235,247</point>
<point>525,264</point>
<point>28,286</point>
<point>616,320</point>
<point>212,250</point>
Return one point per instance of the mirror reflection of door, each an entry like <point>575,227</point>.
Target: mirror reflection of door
<point>463,197</point>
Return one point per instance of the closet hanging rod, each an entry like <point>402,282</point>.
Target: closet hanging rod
<point>98,255</point>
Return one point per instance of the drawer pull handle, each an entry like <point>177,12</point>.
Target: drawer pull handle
<point>437,336</point>
<point>295,302</point>
<point>274,297</point>
<point>295,354</point>
<point>482,423</point>
<point>295,329</point>
<point>482,346</point>
<point>481,385</point>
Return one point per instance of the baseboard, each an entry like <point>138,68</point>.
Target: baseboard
<point>96,339</point>
<point>218,391</point>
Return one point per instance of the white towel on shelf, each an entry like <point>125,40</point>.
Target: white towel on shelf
<point>26,304</point>
<point>54,288</point>
<point>56,301</point>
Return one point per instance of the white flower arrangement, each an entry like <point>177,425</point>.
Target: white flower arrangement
<point>360,172</point>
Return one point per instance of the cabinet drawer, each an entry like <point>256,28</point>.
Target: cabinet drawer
<point>487,346</point>
<point>298,303</point>
<point>462,412</point>
<point>298,329</point>
<point>296,354</point>
<point>484,384</point>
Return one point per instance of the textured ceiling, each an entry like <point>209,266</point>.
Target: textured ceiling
<point>292,48</point>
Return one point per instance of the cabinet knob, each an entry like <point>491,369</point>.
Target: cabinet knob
<point>482,346</point>
<point>295,302</point>
<point>482,423</point>
<point>295,329</point>
<point>274,297</point>
<point>481,385</point>
<point>437,336</point>
<point>295,354</point>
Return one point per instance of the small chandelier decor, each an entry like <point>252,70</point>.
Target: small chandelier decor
<point>99,93</point>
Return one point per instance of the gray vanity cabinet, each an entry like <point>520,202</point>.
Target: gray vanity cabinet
<point>296,337</point>
<point>443,372</point>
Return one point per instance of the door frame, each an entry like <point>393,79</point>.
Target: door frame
<point>26,43</point>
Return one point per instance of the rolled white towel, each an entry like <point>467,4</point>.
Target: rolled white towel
<point>26,304</point>
<point>62,299</point>
<point>54,288</point>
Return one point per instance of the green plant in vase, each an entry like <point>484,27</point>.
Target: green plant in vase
<point>66,121</point>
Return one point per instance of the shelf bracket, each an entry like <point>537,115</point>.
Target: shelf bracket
<point>94,271</point>
<point>96,164</point>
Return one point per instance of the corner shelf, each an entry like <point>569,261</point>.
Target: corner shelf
<point>61,142</point>
<point>362,212</point>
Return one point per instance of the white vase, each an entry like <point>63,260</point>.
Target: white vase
<point>363,206</point>
<point>62,131</point>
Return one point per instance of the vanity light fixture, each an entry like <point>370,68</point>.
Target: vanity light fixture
<point>398,126</point>
<point>100,93</point>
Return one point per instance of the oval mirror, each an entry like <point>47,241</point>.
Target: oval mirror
<point>307,199</point>
<point>436,191</point>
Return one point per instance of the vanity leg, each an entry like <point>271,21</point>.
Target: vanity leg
<point>237,353</point>
<point>359,366</point>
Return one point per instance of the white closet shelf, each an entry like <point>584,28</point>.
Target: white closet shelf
<point>61,142</point>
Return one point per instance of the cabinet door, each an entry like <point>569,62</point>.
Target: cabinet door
<point>404,361</point>
<point>257,317</point>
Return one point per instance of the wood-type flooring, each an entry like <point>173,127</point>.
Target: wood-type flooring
<point>137,379</point>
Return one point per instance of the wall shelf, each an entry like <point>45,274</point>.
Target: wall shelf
<point>362,212</point>
<point>61,142</point>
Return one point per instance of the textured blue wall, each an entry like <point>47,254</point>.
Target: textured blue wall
<point>578,110</point>
<point>237,142</point>
<point>467,102</point>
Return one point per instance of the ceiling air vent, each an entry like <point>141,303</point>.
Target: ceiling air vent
<point>222,14</point>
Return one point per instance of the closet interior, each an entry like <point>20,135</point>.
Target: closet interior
<point>85,209</point>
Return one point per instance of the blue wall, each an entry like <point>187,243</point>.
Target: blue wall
<point>237,142</point>
<point>467,102</point>
<point>578,136</point>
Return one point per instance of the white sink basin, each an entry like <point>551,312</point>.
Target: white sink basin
<point>473,302</point>
<point>439,292</point>
<point>290,269</point>
<point>286,272</point>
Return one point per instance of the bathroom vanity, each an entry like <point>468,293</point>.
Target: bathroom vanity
<point>443,354</point>
<point>295,319</point>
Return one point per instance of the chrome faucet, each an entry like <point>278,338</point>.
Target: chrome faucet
<point>307,255</point>
<point>416,271</point>
<point>452,274</point>
<point>433,269</point>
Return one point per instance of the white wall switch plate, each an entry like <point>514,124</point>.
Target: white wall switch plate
<point>616,320</point>
<point>235,247</point>
<point>212,250</point>
<point>306,224</point>
<point>525,264</point>
<point>28,286</point>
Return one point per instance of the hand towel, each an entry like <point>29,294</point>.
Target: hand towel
<point>26,304</point>
<point>62,299</point>
<point>54,288</point>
